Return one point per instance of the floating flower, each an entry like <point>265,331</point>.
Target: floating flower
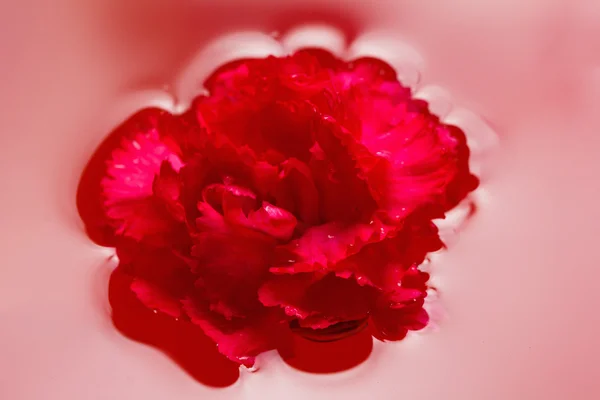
<point>295,198</point>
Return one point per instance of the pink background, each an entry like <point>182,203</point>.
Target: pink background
<point>519,288</point>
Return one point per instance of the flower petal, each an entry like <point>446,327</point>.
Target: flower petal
<point>183,134</point>
<point>318,302</point>
<point>323,247</point>
<point>119,175</point>
<point>428,172</point>
<point>231,261</point>
<point>419,162</point>
<point>128,187</point>
<point>399,311</point>
<point>388,323</point>
<point>134,165</point>
<point>167,189</point>
<point>273,221</point>
<point>161,277</point>
<point>239,76</point>
<point>241,340</point>
<point>283,127</point>
<point>338,177</point>
<point>295,191</point>
<point>384,263</point>
<point>229,200</point>
<point>185,342</point>
<point>156,298</point>
<point>238,206</point>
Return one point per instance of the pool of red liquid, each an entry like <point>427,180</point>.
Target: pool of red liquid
<point>188,346</point>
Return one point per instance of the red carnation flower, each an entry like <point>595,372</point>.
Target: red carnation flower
<point>297,197</point>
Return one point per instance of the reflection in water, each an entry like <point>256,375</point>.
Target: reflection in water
<point>337,355</point>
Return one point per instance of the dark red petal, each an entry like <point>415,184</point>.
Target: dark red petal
<point>333,300</point>
<point>288,127</point>
<point>231,262</point>
<point>283,127</point>
<point>318,302</point>
<point>223,164</point>
<point>316,59</point>
<point>239,90</point>
<point>322,247</point>
<point>273,221</point>
<point>229,200</point>
<point>338,176</point>
<point>242,78</point>
<point>183,134</point>
<point>161,276</point>
<point>307,74</point>
<point>155,298</point>
<point>183,341</point>
<point>384,263</point>
<point>287,292</point>
<point>239,208</point>
<point>403,295</point>
<point>415,279</point>
<point>368,90</point>
<point>295,191</point>
<point>209,219</point>
<point>167,189</point>
<point>241,340</point>
<point>388,323</point>
<point>399,311</point>
<point>237,251</point>
<point>299,76</point>
<point>265,178</point>
<point>331,333</point>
